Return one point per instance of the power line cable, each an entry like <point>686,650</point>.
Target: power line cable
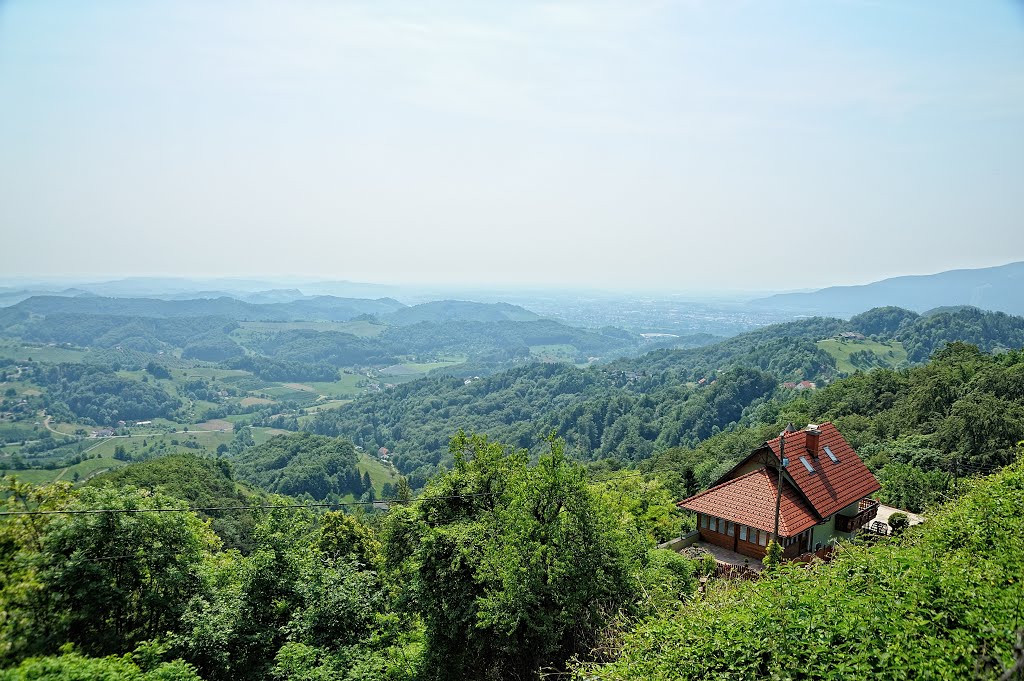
<point>193,509</point>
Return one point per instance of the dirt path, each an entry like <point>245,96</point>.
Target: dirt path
<point>46,424</point>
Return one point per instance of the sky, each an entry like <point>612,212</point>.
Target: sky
<point>642,144</point>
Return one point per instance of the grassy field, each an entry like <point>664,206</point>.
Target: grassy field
<point>347,386</point>
<point>207,372</point>
<point>356,328</point>
<point>101,452</point>
<point>885,354</point>
<point>318,407</point>
<point>250,401</point>
<point>379,472</point>
<point>418,368</point>
<point>40,353</point>
<point>325,405</point>
<point>283,394</point>
<point>85,469</point>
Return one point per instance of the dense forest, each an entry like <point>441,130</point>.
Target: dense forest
<point>630,409</point>
<point>500,569</point>
<point>600,412</point>
<point>918,429</point>
<point>534,557</point>
<point>97,393</point>
<point>205,483</point>
<point>303,465</point>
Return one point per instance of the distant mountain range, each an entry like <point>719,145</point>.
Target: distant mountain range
<point>181,288</point>
<point>990,288</point>
<point>305,308</point>
<point>325,308</point>
<point>460,310</point>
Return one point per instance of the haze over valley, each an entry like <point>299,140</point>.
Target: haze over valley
<point>605,341</point>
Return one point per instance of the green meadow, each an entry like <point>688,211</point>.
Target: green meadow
<point>889,354</point>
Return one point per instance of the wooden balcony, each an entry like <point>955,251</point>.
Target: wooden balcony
<point>866,511</point>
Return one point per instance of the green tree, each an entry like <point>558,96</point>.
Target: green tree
<point>103,581</point>
<point>522,569</point>
<point>909,487</point>
<point>899,522</point>
<point>773,555</point>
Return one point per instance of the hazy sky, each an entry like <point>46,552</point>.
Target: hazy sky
<point>656,144</point>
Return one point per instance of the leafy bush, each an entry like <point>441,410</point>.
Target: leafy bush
<point>898,522</point>
<point>940,603</point>
<point>75,667</point>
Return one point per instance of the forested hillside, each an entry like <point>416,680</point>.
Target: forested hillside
<point>602,413</point>
<point>511,559</point>
<point>202,482</point>
<point>991,331</point>
<point>338,332</point>
<point>460,310</point>
<point>918,429</point>
<point>499,569</point>
<point>632,408</point>
<point>991,288</point>
<point>97,393</point>
<point>318,307</point>
<point>302,464</point>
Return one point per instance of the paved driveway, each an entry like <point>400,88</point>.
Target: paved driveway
<point>885,511</point>
<point>731,557</point>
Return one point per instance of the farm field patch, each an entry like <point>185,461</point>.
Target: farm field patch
<point>848,359</point>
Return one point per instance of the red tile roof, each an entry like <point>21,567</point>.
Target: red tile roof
<point>750,500</point>
<point>833,486</point>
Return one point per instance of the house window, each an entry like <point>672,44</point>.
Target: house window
<point>743,533</point>
<point>730,528</point>
<point>807,464</point>
<point>762,539</point>
<point>831,455</point>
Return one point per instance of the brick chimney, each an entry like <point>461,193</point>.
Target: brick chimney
<point>813,438</point>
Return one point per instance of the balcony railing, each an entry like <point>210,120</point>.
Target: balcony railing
<point>867,509</point>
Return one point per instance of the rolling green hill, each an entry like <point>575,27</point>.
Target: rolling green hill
<point>303,464</point>
<point>202,482</point>
<point>992,288</point>
<point>861,355</point>
<point>459,310</point>
<point>319,307</point>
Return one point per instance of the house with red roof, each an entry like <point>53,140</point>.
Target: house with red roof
<point>824,496</point>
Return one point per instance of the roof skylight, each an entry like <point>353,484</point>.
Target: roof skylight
<point>807,464</point>
<point>831,455</point>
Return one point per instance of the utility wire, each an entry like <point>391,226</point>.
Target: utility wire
<point>192,509</point>
<point>344,504</point>
<point>632,473</point>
